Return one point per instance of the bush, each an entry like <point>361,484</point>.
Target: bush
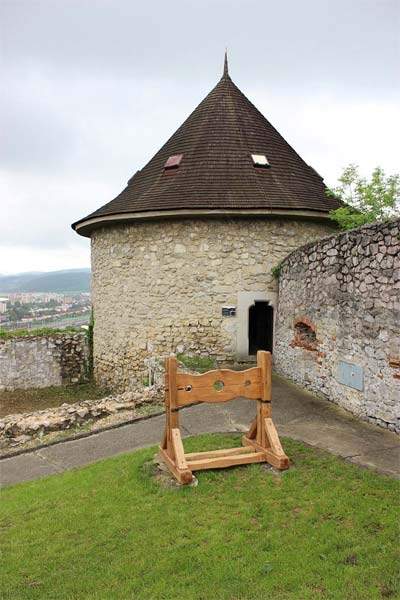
<point>200,364</point>
<point>276,271</point>
<point>42,332</point>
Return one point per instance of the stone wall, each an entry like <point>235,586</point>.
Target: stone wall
<point>338,323</point>
<point>42,361</point>
<point>159,287</point>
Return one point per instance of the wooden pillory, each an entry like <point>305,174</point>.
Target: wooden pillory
<point>260,444</point>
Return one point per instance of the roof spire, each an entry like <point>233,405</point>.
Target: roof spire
<point>226,70</point>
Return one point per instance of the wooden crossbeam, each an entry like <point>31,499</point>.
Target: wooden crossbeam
<point>244,458</point>
<point>261,444</point>
<point>216,453</point>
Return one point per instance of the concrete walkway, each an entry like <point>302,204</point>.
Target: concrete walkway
<point>297,414</point>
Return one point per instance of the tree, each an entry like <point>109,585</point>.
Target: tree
<point>365,201</point>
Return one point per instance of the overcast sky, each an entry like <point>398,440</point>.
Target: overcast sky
<point>92,89</point>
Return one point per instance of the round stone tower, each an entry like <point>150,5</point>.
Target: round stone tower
<point>182,257</point>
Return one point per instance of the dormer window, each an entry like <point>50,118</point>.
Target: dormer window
<point>173,162</point>
<point>260,160</point>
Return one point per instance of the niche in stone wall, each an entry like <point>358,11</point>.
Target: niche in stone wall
<point>304,334</point>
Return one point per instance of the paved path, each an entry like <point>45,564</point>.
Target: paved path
<point>298,415</point>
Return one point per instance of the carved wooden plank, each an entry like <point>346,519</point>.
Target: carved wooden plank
<point>226,461</point>
<point>219,385</point>
<point>229,377</point>
<point>185,397</point>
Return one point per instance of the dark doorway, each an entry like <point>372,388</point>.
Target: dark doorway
<point>261,319</point>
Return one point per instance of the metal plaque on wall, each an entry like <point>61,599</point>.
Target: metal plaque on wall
<point>229,311</point>
<point>351,375</point>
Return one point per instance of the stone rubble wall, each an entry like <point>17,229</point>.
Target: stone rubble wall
<point>42,361</point>
<point>159,287</point>
<point>345,289</point>
<point>17,429</point>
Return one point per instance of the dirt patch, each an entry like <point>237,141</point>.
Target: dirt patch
<point>158,471</point>
<point>22,401</point>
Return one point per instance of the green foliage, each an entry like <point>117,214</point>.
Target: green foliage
<point>325,529</point>
<point>365,201</point>
<point>197,363</point>
<point>44,331</point>
<point>17,310</point>
<point>89,335</point>
<point>276,271</point>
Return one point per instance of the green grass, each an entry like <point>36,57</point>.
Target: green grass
<point>40,332</point>
<point>197,363</point>
<point>323,529</point>
<point>19,401</point>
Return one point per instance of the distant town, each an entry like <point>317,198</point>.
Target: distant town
<point>56,299</point>
<point>44,309</point>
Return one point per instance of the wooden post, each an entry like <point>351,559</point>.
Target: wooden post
<point>171,370</point>
<point>264,363</point>
<point>171,448</point>
<point>172,415</point>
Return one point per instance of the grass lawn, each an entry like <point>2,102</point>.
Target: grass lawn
<point>323,529</point>
<point>19,401</point>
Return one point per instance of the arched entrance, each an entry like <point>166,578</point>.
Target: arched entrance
<point>261,319</point>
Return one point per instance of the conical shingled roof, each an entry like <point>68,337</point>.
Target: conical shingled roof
<point>217,173</point>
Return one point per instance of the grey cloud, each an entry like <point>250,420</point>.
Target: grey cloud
<point>34,133</point>
<point>92,88</point>
<point>287,41</point>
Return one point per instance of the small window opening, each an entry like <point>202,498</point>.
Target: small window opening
<point>261,320</point>
<point>260,160</point>
<point>173,162</point>
<point>305,336</point>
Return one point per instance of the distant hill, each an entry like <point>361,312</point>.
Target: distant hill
<point>72,280</point>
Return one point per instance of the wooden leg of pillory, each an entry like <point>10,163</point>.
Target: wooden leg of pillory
<point>174,457</point>
<point>183,476</point>
<point>171,449</point>
<point>262,435</point>
<point>272,448</point>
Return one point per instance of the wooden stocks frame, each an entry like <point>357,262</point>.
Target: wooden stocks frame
<point>260,444</point>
